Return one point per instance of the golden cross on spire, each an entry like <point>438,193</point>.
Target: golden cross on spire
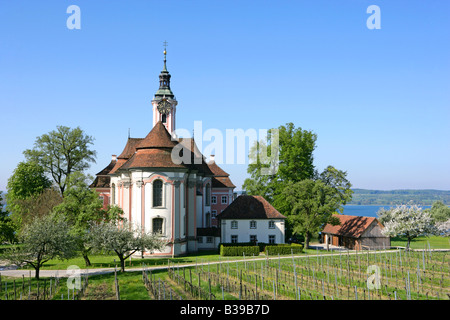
<point>165,46</point>
<point>165,52</point>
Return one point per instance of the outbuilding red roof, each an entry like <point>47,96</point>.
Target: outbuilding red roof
<point>350,226</point>
<point>250,207</point>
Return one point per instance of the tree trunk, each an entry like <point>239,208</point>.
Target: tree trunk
<point>122,264</point>
<point>306,240</point>
<point>86,260</point>
<point>407,244</point>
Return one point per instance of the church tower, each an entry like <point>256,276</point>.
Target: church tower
<point>164,102</point>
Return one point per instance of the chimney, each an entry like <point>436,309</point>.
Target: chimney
<point>211,158</point>
<point>114,157</point>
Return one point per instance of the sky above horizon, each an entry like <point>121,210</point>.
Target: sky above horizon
<point>378,99</point>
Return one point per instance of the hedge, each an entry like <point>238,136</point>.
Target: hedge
<point>284,249</point>
<point>261,245</point>
<point>239,250</point>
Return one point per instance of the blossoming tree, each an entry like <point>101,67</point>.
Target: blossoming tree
<point>410,222</point>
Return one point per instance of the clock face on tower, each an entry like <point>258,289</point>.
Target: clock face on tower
<point>164,106</point>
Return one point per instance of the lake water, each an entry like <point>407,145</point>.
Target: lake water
<point>367,211</point>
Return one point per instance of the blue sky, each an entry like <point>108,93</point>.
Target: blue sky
<point>378,100</point>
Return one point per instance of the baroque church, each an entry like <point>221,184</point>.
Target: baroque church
<point>181,201</point>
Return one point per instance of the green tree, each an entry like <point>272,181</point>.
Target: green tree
<point>62,152</point>
<point>43,239</point>
<point>36,206</point>
<point>123,239</point>
<point>295,154</point>
<point>81,206</point>
<point>28,181</point>
<point>439,211</point>
<point>313,204</point>
<point>7,226</point>
<point>337,180</point>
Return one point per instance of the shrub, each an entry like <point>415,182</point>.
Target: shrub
<point>284,249</point>
<point>239,250</point>
<point>261,245</point>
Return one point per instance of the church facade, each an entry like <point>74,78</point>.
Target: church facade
<point>165,186</point>
<point>163,196</point>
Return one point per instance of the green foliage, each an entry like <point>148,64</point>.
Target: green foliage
<point>239,250</point>
<point>261,245</point>
<point>295,148</point>
<point>288,188</point>
<point>82,206</point>
<point>313,203</point>
<point>283,249</point>
<point>7,226</point>
<point>62,152</point>
<point>439,211</point>
<point>28,180</point>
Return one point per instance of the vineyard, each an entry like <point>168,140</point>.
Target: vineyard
<point>382,275</point>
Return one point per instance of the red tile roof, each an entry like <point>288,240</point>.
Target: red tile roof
<point>107,169</point>
<point>221,178</point>
<point>218,171</point>
<point>351,226</point>
<point>127,153</point>
<point>102,180</point>
<point>130,148</point>
<point>152,158</point>
<point>158,137</point>
<point>250,207</point>
<point>155,151</point>
<point>222,182</point>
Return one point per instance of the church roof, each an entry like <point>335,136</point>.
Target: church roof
<point>250,207</point>
<point>108,168</point>
<point>130,148</point>
<point>222,182</point>
<point>221,178</point>
<point>152,158</point>
<point>158,137</point>
<point>127,153</point>
<point>102,180</point>
<point>218,171</point>
<point>155,151</point>
<point>197,158</point>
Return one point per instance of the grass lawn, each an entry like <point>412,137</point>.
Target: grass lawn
<point>434,242</point>
<point>110,260</point>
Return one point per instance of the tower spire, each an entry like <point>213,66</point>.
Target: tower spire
<point>164,102</point>
<point>165,52</point>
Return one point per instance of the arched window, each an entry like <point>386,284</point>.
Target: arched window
<point>157,226</point>
<point>208,195</point>
<point>164,118</point>
<point>157,193</point>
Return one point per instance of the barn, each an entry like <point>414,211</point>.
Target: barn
<point>356,233</point>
